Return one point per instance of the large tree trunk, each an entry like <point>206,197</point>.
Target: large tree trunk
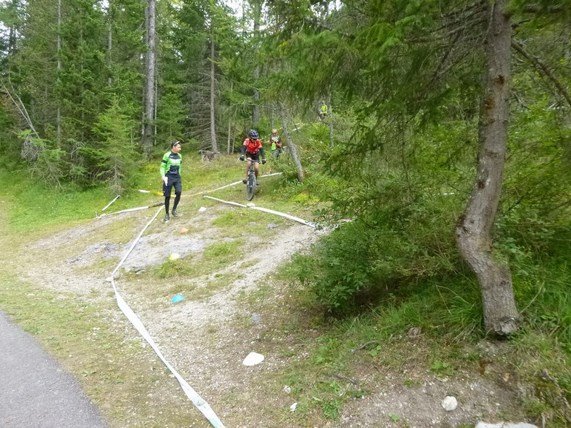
<point>291,146</point>
<point>212,91</point>
<point>257,5</point>
<point>58,54</point>
<point>474,230</point>
<point>148,118</point>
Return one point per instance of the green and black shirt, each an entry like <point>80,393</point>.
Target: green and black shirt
<point>170,164</point>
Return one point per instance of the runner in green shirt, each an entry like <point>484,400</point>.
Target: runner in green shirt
<point>170,173</point>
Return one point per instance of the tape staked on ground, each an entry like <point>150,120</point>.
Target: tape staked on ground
<point>266,210</point>
<point>196,399</point>
<point>110,203</point>
<point>231,184</point>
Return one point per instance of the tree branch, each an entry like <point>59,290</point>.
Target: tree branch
<point>19,106</point>
<point>536,8</point>
<point>542,69</point>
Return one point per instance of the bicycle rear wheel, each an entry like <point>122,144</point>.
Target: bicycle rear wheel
<point>251,187</point>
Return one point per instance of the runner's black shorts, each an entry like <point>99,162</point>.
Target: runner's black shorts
<point>173,181</point>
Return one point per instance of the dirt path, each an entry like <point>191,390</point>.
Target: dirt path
<point>207,336</point>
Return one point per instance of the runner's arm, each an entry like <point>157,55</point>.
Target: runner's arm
<point>164,165</point>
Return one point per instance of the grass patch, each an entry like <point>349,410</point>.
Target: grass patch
<point>221,253</point>
<point>214,257</point>
<point>125,380</point>
<point>235,218</point>
<point>432,326</point>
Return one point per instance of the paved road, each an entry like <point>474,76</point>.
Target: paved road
<point>35,391</point>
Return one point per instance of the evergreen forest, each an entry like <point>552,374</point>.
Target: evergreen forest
<point>432,139</point>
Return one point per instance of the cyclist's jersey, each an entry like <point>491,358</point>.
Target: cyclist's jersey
<point>170,164</point>
<point>252,146</point>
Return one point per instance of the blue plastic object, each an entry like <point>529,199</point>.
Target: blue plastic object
<point>177,298</point>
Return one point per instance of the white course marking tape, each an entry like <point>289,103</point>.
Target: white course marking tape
<point>131,209</point>
<point>109,204</point>
<point>230,185</point>
<point>236,204</point>
<point>266,210</point>
<point>271,175</point>
<point>290,217</point>
<point>218,188</point>
<point>137,323</point>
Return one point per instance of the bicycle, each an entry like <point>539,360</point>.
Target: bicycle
<point>251,181</point>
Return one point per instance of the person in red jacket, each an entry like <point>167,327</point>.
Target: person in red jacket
<point>251,150</point>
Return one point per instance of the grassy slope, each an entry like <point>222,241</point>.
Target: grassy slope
<point>446,310</point>
<point>121,376</point>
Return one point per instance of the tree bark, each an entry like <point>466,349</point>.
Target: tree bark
<point>291,146</point>
<point>330,121</point>
<point>149,97</point>
<point>212,90</point>
<point>474,230</point>
<point>58,71</point>
<point>257,5</point>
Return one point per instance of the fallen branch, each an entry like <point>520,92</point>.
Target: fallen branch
<point>366,345</point>
<point>21,108</point>
<point>346,379</point>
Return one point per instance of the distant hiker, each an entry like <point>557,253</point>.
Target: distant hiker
<point>322,110</point>
<point>170,173</point>
<point>276,144</point>
<point>251,150</point>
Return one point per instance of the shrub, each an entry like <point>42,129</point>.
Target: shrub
<point>356,264</point>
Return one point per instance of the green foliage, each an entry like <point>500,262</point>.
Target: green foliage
<point>223,252</point>
<point>357,264</point>
<point>38,206</point>
<point>441,368</point>
<point>115,157</point>
<point>176,269</point>
<point>171,118</point>
<point>49,163</point>
<point>10,146</point>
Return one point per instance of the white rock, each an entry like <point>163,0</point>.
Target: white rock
<point>252,359</point>
<point>287,389</point>
<point>201,209</point>
<point>293,407</point>
<point>449,403</point>
<point>174,256</point>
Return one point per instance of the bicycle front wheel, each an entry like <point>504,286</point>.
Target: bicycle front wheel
<point>251,187</point>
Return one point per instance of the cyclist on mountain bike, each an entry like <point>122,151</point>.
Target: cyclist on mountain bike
<point>251,150</point>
